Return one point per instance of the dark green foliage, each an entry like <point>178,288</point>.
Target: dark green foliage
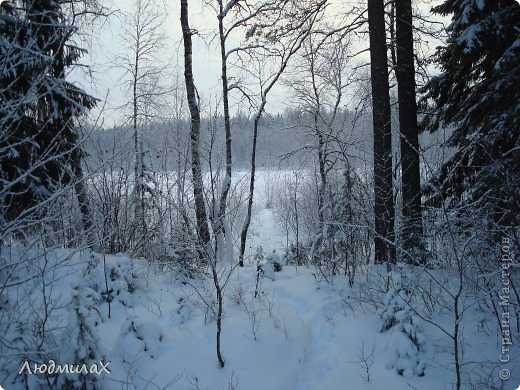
<point>478,95</point>
<point>38,107</point>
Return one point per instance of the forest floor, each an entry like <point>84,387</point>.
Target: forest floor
<point>299,334</point>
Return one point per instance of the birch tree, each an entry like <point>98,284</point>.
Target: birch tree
<point>193,104</point>
<point>143,40</point>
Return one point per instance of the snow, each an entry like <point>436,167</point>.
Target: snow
<point>265,232</point>
<point>307,338</point>
<point>297,335</point>
<point>469,37</point>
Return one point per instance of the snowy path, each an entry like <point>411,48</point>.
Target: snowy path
<point>307,336</point>
<point>314,313</point>
<point>319,352</point>
<point>266,232</point>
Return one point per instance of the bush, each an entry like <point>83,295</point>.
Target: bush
<point>407,340</point>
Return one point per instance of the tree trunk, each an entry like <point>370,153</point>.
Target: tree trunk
<point>288,52</point>
<point>84,206</point>
<point>218,287</point>
<point>227,124</point>
<point>77,153</point>
<point>247,222</point>
<point>323,175</point>
<point>200,207</point>
<point>219,222</point>
<point>383,189</point>
<point>411,180</point>
<point>138,185</point>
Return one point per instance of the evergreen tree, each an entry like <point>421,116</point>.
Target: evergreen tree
<point>81,341</point>
<point>39,150</point>
<point>477,94</point>
<point>411,229</point>
<point>407,341</point>
<point>384,212</point>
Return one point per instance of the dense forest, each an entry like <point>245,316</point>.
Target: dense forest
<point>333,201</point>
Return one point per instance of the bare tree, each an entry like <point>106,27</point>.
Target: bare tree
<point>143,40</point>
<point>319,84</point>
<point>193,104</point>
<point>223,11</point>
<point>278,41</point>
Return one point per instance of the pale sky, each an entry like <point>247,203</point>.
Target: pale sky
<point>107,45</point>
<point>106,82</point>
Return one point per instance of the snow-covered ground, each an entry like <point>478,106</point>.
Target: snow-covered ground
<point>266,232</point>
<point>298,334</point>
<point>306,338</point>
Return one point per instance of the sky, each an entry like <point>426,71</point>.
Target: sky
<point>106,45</point>
<point>106,78</point>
